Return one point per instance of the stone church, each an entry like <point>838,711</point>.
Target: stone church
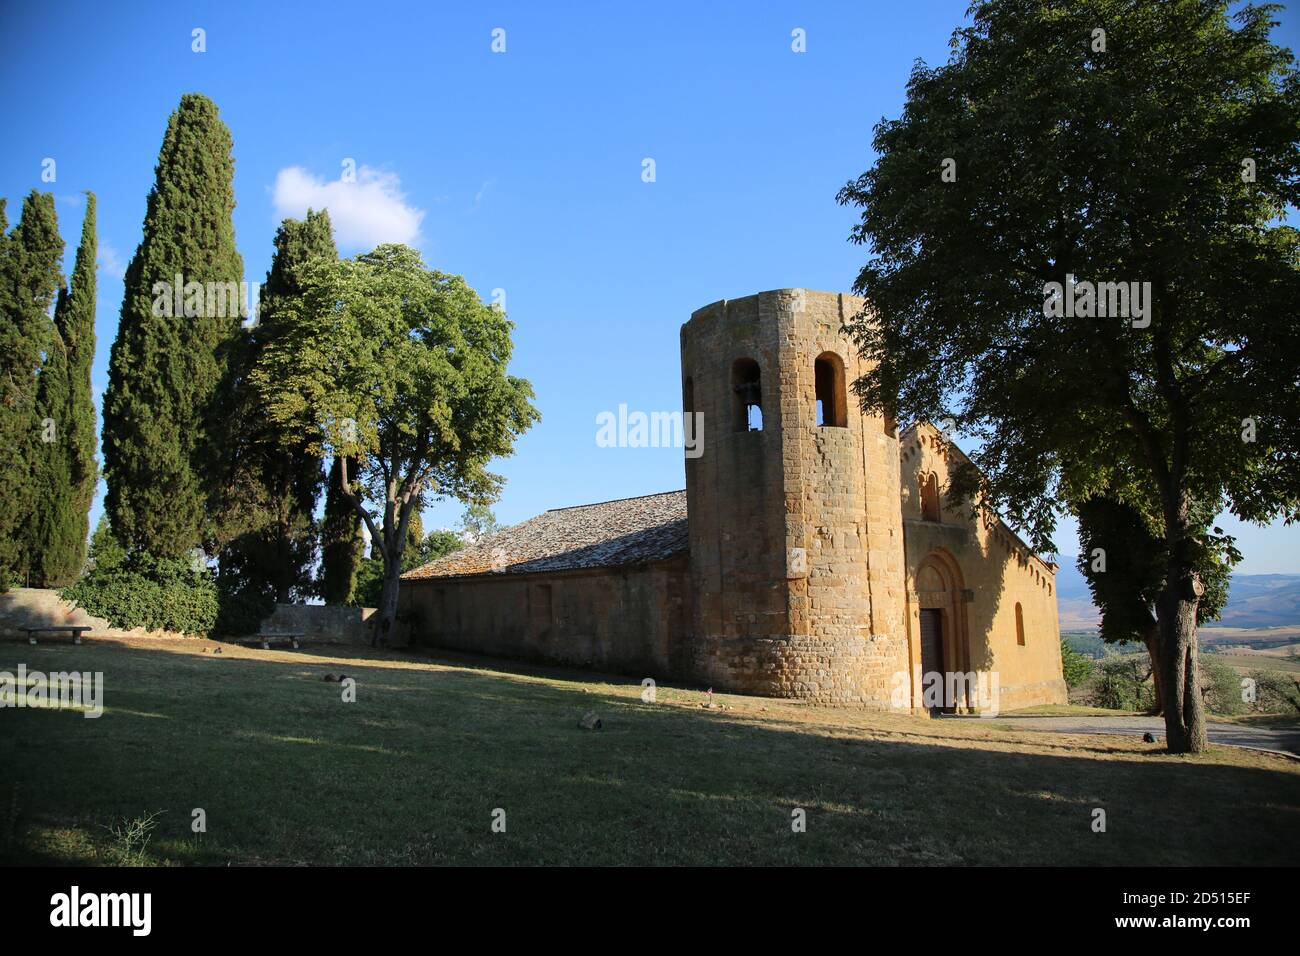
<point>812,555</point>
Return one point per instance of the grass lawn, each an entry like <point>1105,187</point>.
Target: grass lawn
<point>412,771</point>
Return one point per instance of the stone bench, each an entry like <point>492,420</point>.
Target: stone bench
<point>265,641</point>
<point>76,630</point>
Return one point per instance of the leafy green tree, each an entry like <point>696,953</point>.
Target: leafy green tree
<point>435,545</point>
<point>477,522</point>
<point>403,370</point>
<point>106,552</point>
<point>341,540</point>
<point>64,467</point>
<point>1123,682</point>
<point>166,369</point>
<point>267,502</point>
<point>1041,158</point>
<point>30,277</point>
<point>1276,692</point>
<point>1076,668</point>
<point>420,549</point>
<point>1220,686</point>
<point>1124,560</point>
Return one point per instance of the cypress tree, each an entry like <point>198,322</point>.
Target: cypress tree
<point>29,279</point>
<point>64,468</point>
<point>341,541</point>
<point>275,480</point>
<point>166,370</point>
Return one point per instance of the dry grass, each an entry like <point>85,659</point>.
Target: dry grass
<point>412,771</point>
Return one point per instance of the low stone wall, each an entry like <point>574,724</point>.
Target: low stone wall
<point>317,623</point>
<point>40,607</point>
<point>321,623</point>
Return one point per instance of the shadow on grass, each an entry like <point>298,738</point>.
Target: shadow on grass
<point>413,771</point>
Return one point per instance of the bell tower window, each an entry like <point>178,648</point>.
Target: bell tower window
<point>747,389</point>
<point>828,379</point>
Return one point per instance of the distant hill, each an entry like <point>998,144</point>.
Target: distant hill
<point>1254,600</point>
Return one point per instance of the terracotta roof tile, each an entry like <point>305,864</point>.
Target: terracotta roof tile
<point>608,534</point>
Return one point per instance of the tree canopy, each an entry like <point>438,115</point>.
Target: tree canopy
<point>402,370</point>
<point>1061,147</point>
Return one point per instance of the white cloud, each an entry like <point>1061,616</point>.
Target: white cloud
<point>110,263</point>
<point>366,212</point>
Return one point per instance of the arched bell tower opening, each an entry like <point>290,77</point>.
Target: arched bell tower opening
<point>828,379</point>
<point>747,392</point>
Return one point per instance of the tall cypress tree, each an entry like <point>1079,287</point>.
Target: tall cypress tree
<point>64,466</point>
<point>165,370</point>
<point>274,480</point>
<point>341,541</point>
<point>30,276</point>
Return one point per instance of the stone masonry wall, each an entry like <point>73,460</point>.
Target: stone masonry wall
<point>826,592</point>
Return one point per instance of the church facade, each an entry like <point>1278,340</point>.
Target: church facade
<point>812,555</point>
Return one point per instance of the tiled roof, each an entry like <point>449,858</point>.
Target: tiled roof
<point>604,535</point>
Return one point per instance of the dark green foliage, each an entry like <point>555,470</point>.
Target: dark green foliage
<point>173,594</point>
<point>420,549</point>
<point>240,609</point>
<point>268,498</point>
<point>1077,668</point>
<point>64,469</point>
<point>166,594</point>
<point>106,552</point>
<point>1123,682</point>
<point>370,582</point>
<point>1276,692</point>
<point>1221,686</point>
<point>341,542</point>
<point>29,280</point>
<point>435,545</point>
<point>1117,165</point>
<point>1135,559</point>
<point>165,372</point>
<point>402,368</point>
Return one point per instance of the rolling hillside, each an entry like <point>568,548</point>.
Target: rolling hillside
<point>1254,601</point>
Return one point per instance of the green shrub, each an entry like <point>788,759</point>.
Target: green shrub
<point>1220,686</point>
<point>1276,692</point>
<point>1077,668</point>
<point>144,591</point>
<point>240,609</point>
<point>370,582</point>
<point>1124,683</point>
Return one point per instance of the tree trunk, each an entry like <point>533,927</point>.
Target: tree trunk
<point>1151,637</point>
<point>1184,709</point>
<point>386,613</point>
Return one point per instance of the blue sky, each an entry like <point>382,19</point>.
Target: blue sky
<point>521,170</point>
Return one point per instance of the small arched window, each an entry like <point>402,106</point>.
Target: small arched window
<point>1020,625</point>
<point>688,395</point>
<point>929,496</point>
<point>828,380</point>
<point>747,396</point>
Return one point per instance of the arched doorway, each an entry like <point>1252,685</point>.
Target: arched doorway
<point>939,642</point>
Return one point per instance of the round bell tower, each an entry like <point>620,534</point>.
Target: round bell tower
<point>794,511</point>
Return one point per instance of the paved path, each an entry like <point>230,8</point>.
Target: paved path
<point>1264,738</point>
